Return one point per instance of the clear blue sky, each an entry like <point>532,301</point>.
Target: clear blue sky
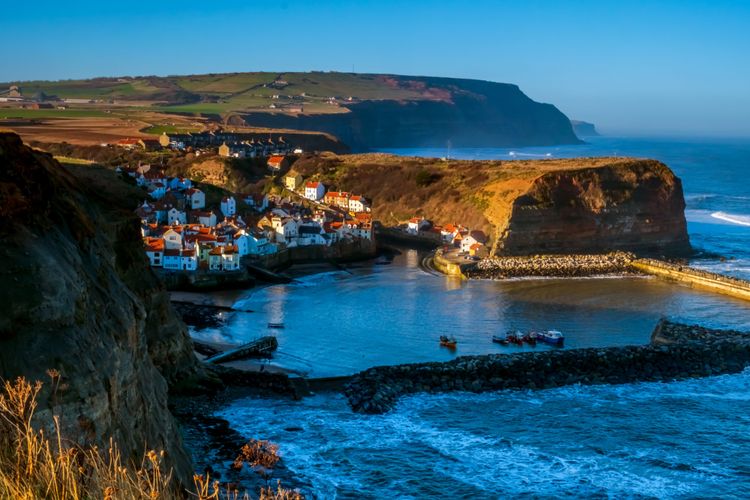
<point>633,67</point>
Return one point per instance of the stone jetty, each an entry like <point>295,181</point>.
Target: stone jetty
<point>676,351</point>
<point>563,266</point>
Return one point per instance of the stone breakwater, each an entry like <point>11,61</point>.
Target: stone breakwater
<point>676,351</point>
<point>552,266</point>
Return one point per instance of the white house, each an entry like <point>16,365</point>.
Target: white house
<point>286,229</point>
<point>228,206</point>
<point>230,259</point>
<point>358,203</point>
<point>471,239</point>
<point>206,218</point>
<point>310,234</point>
<point>175,216</point>
<point>417,224</point>
<point>172,239</point>
<point>155,251</point>
<point>314,191</point>
<point>195,198</point>
<point>189,259</point>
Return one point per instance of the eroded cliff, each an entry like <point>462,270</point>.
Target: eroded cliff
<point>579,205</point>
<point>77,296</point>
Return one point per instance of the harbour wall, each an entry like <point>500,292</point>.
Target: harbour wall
<point>355,250</point>
<point>445,266</point>
<point>726,285</point>
<point>676,351</point>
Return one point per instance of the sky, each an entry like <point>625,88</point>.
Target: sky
<point>631,67</point>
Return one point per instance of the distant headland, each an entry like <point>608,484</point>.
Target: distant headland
<point>364,111</point>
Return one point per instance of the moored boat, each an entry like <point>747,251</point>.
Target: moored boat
<point>500,340</point>
<point>552,337</point>
<point>446,341</point>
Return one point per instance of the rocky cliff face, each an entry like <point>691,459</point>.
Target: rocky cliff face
<point>77,296</point>
<point>634,205</point>
<point>469,113</point>
<point>578,205</point>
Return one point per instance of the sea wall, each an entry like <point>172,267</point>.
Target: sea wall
<point>676,351</point>
<point>718,283</point>
<point>564,266</point>
<point>359,249</point>
<point>445,266</point>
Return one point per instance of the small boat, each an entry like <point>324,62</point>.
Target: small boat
<point>275,325</point>
<point>500,340</point>
<point>446,341</point>
<point>552,337</point>
<point>530,338</point>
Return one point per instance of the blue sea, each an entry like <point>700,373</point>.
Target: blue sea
<point>686,439</point>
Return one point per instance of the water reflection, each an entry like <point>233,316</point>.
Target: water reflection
<point>345,321</point>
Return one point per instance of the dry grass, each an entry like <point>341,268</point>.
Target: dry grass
<point>257,453</point>
<point>35,465</point>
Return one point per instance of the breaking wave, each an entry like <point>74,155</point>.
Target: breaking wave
<point>742,220</point>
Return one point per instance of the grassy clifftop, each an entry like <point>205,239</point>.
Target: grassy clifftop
<point>541,206</point>
<point>365,111</point>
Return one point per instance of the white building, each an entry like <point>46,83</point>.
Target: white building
<point>314,191</point>
<point>195,198</point>
<point>206,218</point>
<point>175,216</point>
<point>358,204</point>
<point>189,259</point>
<point>417,224</point>
<point>228,206</point>
<point>287,229</point>
<point>172,240</point>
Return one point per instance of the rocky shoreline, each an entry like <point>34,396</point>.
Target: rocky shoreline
<point>562,266</point>
<point>676,351</point>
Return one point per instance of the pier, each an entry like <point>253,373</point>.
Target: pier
<point>693,277</point>
<point>260,347</point>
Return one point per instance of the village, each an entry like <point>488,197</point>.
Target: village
<point>184,230</point>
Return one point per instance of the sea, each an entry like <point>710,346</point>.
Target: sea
<point>684,439</point>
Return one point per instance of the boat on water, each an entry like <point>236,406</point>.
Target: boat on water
<point>446,341</point>
<point>500,340</point>
<point>275,325</point>
<point>530,338</point>
<point>552,337</point>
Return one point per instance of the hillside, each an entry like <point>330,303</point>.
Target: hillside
<point>365,111</point>
<point>77,296</point>
<point>544,206</point>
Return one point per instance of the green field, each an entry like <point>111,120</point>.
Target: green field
<point>233,92</point>
<point>169,129</point>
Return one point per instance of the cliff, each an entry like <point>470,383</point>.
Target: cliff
<point>579,205</point>
<point>456,113</point>
<point>584,129</point>
<point>77,296</point>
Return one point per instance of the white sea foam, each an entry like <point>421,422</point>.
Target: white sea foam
<point>742,220</point>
